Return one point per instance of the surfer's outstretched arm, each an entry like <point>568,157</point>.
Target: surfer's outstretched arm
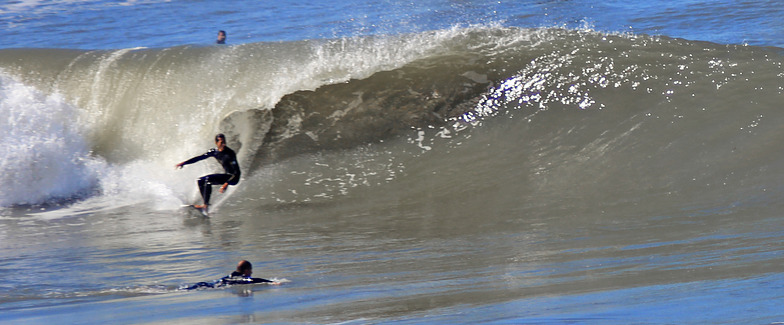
<point>196,159</point>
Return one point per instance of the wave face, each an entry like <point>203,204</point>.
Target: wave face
<point>574,113</point>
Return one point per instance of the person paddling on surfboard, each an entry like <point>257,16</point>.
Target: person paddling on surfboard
<point>227,159</point>
<point>241,276</point>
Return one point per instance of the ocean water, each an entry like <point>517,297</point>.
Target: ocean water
<point>451,162</point>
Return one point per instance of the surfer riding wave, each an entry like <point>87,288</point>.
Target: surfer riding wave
<point>227,159</point>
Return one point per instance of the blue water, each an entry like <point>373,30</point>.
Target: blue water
<point>113,25</point>
<point>622,163</point>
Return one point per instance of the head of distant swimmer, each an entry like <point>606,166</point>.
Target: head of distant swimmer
<point>220,141</point>
<point>245,268</point>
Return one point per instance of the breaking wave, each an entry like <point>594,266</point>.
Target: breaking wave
<point>596,109</point>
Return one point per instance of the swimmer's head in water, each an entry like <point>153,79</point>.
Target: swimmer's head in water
<point>245,268</point>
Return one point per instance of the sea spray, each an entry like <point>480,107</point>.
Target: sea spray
<point>46,158</point>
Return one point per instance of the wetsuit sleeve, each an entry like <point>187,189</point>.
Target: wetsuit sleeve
<point>259,280</point>
<point>206,155</point>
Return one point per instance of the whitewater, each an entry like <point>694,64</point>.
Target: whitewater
<point>557,162</point>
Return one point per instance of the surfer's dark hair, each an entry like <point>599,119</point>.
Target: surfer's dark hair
<point>244,265</point>
<point>220,136</point>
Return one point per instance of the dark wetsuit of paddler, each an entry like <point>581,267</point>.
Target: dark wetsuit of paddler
<point>227,159</point>
<point>240,276</point>
<point>233,279</point>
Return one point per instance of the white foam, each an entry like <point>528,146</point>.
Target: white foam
<point>45,157</point>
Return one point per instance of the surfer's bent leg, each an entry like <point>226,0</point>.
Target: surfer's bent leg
<point>206,182</point>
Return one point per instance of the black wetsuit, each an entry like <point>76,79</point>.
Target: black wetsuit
<point>227,159</point>
<point>233,279</point>
<point>237,278</point>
